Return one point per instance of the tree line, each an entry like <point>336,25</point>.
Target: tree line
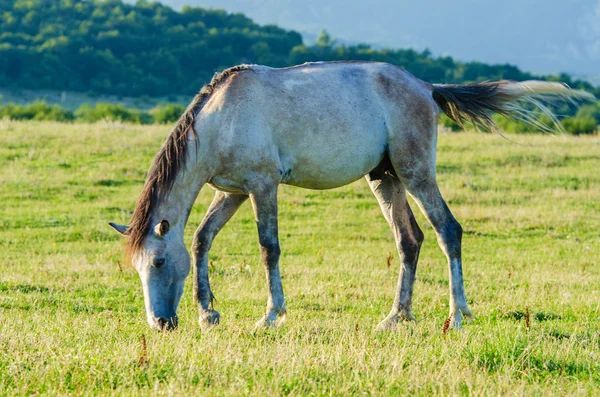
<point>146,48</point>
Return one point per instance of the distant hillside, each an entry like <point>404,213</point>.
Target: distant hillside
<point>540,36</point>
<point>116,48</point>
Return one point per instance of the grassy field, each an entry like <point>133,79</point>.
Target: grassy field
<point>71,312</point>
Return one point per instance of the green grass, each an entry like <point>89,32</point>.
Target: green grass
<point>71,314</point>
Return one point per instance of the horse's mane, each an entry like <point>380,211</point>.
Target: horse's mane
<point>168,162</point>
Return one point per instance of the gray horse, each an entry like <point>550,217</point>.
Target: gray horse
<point>317,126</point>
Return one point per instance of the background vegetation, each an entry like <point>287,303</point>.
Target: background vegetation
<point>585,121</point>
<point>40,110</point>
<point>72,312</point>
<point>147,48</point>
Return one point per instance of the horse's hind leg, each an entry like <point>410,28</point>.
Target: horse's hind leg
<point>420,182</point>
<point>222,208</point>
<point>392,199</point>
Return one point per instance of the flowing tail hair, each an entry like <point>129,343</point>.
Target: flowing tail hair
<point>475,103</point>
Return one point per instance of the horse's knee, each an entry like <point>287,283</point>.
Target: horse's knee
<point>270,251</point>
<point>202,242</point>
<point>271,248</point>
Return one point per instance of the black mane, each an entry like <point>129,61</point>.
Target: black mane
<point>168,162</point>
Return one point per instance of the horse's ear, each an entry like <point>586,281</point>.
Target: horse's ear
<point>122,229</point>
<point>162,228</point>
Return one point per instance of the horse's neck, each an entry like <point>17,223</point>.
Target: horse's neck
<point>176,206</point>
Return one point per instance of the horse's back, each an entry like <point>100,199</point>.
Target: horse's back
<point>328,124</point>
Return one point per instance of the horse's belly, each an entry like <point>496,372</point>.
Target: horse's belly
<point>326,164</point>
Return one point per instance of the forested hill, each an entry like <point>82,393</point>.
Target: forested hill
<point>111,47</point>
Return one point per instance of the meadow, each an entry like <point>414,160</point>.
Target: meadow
<point>71,310</point>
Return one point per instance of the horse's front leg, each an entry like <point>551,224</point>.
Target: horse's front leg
<point>265,211</point>
<point>222,208</point>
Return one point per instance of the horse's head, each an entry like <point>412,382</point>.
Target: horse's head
<point>163,263</point>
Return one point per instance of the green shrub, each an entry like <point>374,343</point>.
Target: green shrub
<point>144,117</point>
<point>590,111</point>
<point>113,112</point>
<point>544,119</point>
<point>519,126</point>
<point>579,125</point>
<point>505,124</point>
<point>38,110</point>
<point>167,113</point>
<point>448,123</point>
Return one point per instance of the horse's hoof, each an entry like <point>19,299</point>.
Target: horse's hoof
<point>391,322</point>
<point>457,315</point>
<point>271,320</point>
<point>209,319</point>
<point>467,314</point>
<point>265,323</point>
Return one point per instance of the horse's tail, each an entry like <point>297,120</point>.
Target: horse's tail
<point>475,103</point>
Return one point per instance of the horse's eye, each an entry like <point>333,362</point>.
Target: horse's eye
<point>158,262</point>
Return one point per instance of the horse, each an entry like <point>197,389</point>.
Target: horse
<point>317,126</point>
